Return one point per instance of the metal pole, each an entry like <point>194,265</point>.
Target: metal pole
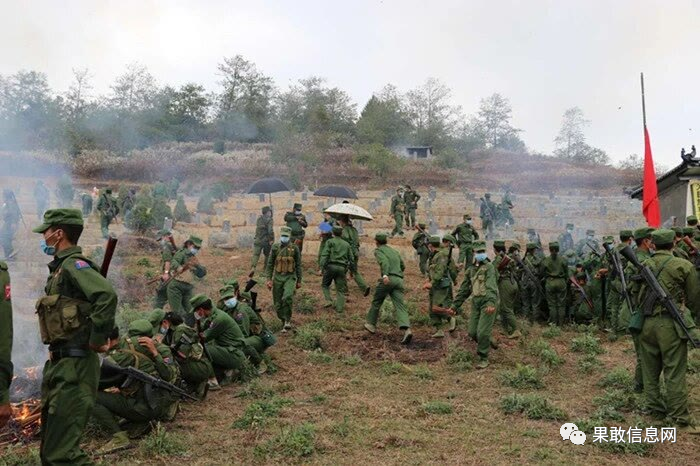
<point>644,107</point>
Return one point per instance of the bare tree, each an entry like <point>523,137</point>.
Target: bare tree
<point>134,90</point>
<point>78,94</point>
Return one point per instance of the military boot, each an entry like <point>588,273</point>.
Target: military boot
<point>120,441</point>
<point>213,384</point>
<point>370,328</point>
<point>439,334</point>
<point>407,337</point>
<point>453,324</point>
<point>483,363</point>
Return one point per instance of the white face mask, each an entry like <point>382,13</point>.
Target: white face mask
<point>284,239</point>
<point>469,222</point>
<point>231,303</point>
<point>197,316</point>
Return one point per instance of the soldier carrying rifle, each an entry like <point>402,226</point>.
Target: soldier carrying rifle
<point>108,208</point>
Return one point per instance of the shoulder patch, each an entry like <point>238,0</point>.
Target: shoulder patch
<point>81,264</point>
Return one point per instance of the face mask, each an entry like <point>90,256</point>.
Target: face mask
<point>480,256</point>
<point>194,251</point>
<point>569,231</point>
<point>231,303</point>
<point>45,248</point>
<point>163,330</point>
<point>590,237</point>
<point>469,222</point>
<point>197,316</point>
<point>284,239</point>
<point>297,212</point>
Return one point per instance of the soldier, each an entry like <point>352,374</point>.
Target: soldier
<point>533,237</point>
<point>420,244</point>
<point>465,234</point>
<point>411,198</point>
<point>223,341</point>
<point>556,275</point>
<point>614,298</point>
<point>65,191</point>
<point>264,237</point>
<point>487,212</point>
<point>107,206</point>
<point>10,214</point>
<point>663,347</point>
<point>179,290</point>
<point>692,221</point>
<point>325,232</point>
<point>70,377</point>
<point>398,207</point>
<point>566,239</point>
<point>581,312</point>
<point>167,251</point>
<point>86,201</point>
<point>296,221</point>
<point>251,325</point>
<point>439,286</point>
<point>531,290</point>
<point>41,197</point>
<point>5,344</point>
<point>481,284</point>
<point>351,235</point>
<point>585,245</point>
<point>507,287</point>
<point>391,285</point>
<point>337,257</point>
<point>680,249</point>
<point>128,202</point>
<point>284,276</point>
<point>138,403</point>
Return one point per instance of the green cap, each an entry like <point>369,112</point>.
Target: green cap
<point>434,240</point>
<point>608,239</point>
<point>553,244</point>
<point>689,231</point>
<point>422,226</point>
<point>449,238</point>
<point>380,236</point>
<point>692,220</point>
<point>626,234</point>
<point>499,243</point>
<point>337,230</point>
<point>297,206</point>
<point>531,246</point>
<point>662,236</point>
<point>479,245</point>
<point>285,231</point>
<point>156,317</point>
<point>641,233</point>
<point>590,232</point>
<point>198,300</point>
<point>569,226</point>
<point>60,217</point>
<point>467,217</point>
<point>227,293</point>
<point>677,230</point>
<point>140,328</point>
<point>266,209</point>
<point>515,245</point>
<point>196,240</point>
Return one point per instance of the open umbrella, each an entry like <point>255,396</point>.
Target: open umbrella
<point>268,186</point>
<point>351,210</point>
<point>336,192</point>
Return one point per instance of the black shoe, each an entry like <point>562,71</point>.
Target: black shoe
<point>367,290</point>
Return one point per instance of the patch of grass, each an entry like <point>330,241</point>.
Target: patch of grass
<point>352,360</point>
<point>552,331</point>
<point>17,455</point>
<point>542,454</point>
<point>423,372</point>
<point>386,312</point>
<point>589,328</point>
<point>693,362</point>
<point>589,363</point>
<point>144,262</point>
<point>125,315</point>
<point>459,359</point>
<point>318,399</point>
<point>546,353</point>
<point>308,337</point>
<point>271,366</point>
<point>524,376</point>
<point>342,428</point>
<point>393,368</point>
<point>292,442</point>
<point>533,406</point>
<point>587,344</point>
<point>274,325</point>
<point>258,412</point>
<point>160,442</point>
<point>618,399</point>
<point>532,433</point>
<point>319,357</point>
<point>418,318</point>
<point>620,378</point>
<point>257,389</point>
<point>306,303</point>
<point>436,407</point>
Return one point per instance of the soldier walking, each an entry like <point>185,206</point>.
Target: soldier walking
<point>108,208</point>
<point>337,257</point>
<point>296,221</point>
<point>466,234</point>
<point>411,198</point>
<point>420,244</point>
<point>41,197</point>
<point>352,237</point>
<point>264,237</point>
<point>556,274</point>
<point>439,286</point>
<point>10,215</point>
<point>487,212</point>
<point>398,207</point>
<point>284,276</point>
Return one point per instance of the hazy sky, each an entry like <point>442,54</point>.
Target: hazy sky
<point>545,56</point>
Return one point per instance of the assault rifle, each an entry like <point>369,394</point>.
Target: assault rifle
<point>528,271</point>
<point>109,252</point>
<point>660,294</point>
<point>580,289</point>
<point>489,211</point>
<point>191,262</point>
<point>617,265</point>
<point>151,382</point>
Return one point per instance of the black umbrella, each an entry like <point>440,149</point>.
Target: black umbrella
<point>268,186</point>
<point>336,192</point>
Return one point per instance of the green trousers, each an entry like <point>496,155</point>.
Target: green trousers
<point>622,323</point>
<point>466,254</point>
<point>161,298</point>
<point>357,275</point>
<point>613,304</point>
<point>254,341</point>
<point>507,293</point>
<point>480,326</point>
<point>439,297</point>
<point>532,300</point>
<point>398,224</point>
<point>487,228</point>
<point>257,249</point>
<point>555,292</point>
<point>225,357</point>
<point>423,256</point>
<point>283,289</point>
<point>662,350</point>
<point>410,217</point>
<point>393,290</point>
<point>112,406</point>
<point>179,294</point>
<point>195,372</point>
<point>68,393</point>
<point>335,273</point>
<point>105,220</point>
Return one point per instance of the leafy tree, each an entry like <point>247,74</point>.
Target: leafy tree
<point>160,211</point>
<point>492,124</point>
<point>134,90</point>
<point>383,120</point>
<point>205,204</point>
<point>380,160</point>
<point>181,213</point>
<point>632,162</point>
<point>571,143</point>
<point>432,117</point>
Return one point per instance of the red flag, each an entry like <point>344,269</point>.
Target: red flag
<point>650,199</point>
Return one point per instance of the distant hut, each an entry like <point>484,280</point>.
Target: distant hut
<point>418,152</point>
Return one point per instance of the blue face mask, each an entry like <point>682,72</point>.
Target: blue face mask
<point>194,251</point>
<point>231,303</point>
<point>163,330</point>
<point>480,256</point>
<point>284,239</point>
<point>45,248</point>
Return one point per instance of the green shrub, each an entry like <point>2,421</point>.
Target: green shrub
<point>258,412</point>
<point>586,343</point>
<point>546,353</point>
<point>308,337</point>
<point>20,455</point>
<point>205,204</point>
<point>160,442</point>
<point>523,376</point>
<point>352,360</point>
<point>160,211</point>
<point>139,219</point>
<point>619,399</point>
<point>588,363</point>
<point>125,315</point>
<point>552,331</point>
<point>306,303</point>
<point>380,160</point>
<point>423,372</point>
<point>256,389</point>
<point>619,377</point>
<point>319,357</point>
<point>393,368</point>
<point>343,428</point>
<point>459,358</point>
<point>533,406</point>
<point>436,407</point>
<point>291,442</point>
<point>447,158</point>
<point>181,213</point>
<point>219,147</point>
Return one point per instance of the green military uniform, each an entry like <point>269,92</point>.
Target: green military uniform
<point>325,233</point>
<point>296,222</point>
<point>597,283</point>
<point>392,267</point>
<point>664,347</point>
<point>466,234</point>
<point>556,274</point>
<point>531,295</point>
<point>580,310</point>
<point>137,403</point>
<point>398,207</point>
<point>86,302</point>
<point>419,243</point>
<point>487,213</point>
<point>481,284</point>
<point>615,297</point>
<point>284,270</point>
<point>337,257</point>
<point>179,290</point>
<point>566,239</point>
<point>108,208</point>
<point>585,245</point>
<point>264,237</point>
<point>440,294</point>
<point>86,201</point>
<point>411,198</point>
<point>6,334</point>
<point>248,321</point>
<point>507,288</point>
<point>167,251</point>
<point>10,216</point>
<point>351,235</point>
<point>41,197</point>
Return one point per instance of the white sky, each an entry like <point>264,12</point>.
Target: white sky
<point>545,56</point>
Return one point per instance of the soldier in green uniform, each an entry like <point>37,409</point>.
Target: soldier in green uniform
<point>222,338</point>
<point>86,201</point>
<point>296,222</point>
<point>41,197</point>
<point>581,311</point>
<point>531,295</point>
<point>6,368</point>
<point>137,403</point>
<point>615,298</point>
<point>487,213</point>
<point>556,275</point>
<point>108,209</point>
<point>664,347</point>
<point>691,221</point>
<point>585,245</point>
<point>420,244</point>
<point>352,237</point>
<point>397,210</point>
<point>337,257</point>
<point>325,232</point>
<point>179,290</point>
<point>481,284</point>
<point>439,286</point>
<point>566,239</point>
<point>87,302</point>
<point>392,267</point>
<point>465,234</point>
<point>505,266</point>
<point>167,251</point>
<point>10,215</point>
<point>680,249</point>
<point>264,237</point>
<point>411,198</point>
<point>251,326</point>
<point>284,276</point>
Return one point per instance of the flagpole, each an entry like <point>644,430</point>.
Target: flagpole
<point>644,107</point>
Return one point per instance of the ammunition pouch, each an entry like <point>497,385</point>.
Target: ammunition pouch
<point>650,301</point>
<point>268,338</point>
<point>60,317</point>
<point>284,264</point>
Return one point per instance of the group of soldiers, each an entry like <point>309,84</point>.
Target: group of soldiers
<point>404,205</point>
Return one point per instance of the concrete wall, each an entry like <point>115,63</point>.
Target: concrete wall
<point>673,202</point>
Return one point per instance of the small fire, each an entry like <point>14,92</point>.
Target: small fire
<point>24,425</point>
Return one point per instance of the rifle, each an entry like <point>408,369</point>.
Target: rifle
<point>109,252</point>
<point>491,215</point>
<point>530,274</point>
<point>190,262</point>
<point>504,263</point>
<point>598,255</point>
<point>132,374</point>
<point>615,258</point>
<point>580,289</point>
<point>661,295</point>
